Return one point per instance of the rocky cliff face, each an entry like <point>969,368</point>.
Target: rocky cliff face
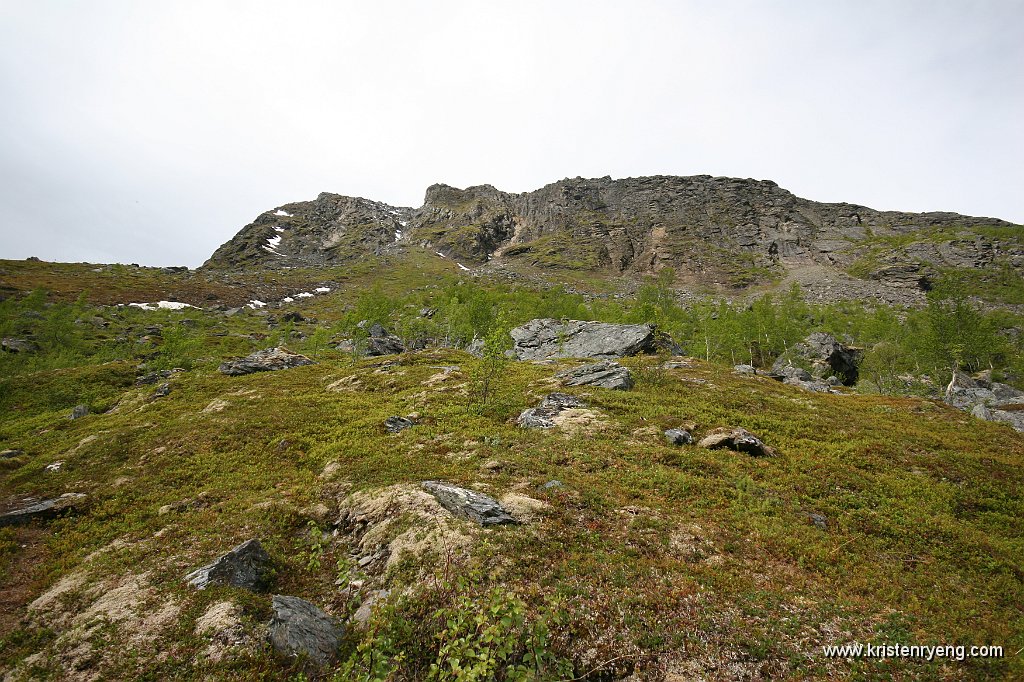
<point>728,231</point>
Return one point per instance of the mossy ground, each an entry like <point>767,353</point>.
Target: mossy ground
<point>655,558</point>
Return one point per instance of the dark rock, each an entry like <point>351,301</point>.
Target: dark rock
<point>824,355</point>
<point>544,339</point>
<point>737,439</point>
<point>606,374</point>
<point>293,317</point>
<point>678,437</point>
<point>396,424</point>
<point>271,359</point>
<point>818,520</point>
<point>79,411</point>
<point>469,504</point>
<point>161,391</point>
<point>8,454</point>
<point>10,345</point>
<point>247,566</point>
<point>384,345</point>
<point>68,503</point>
<point>476,347</point>
<point>377,331</point>
<point>300,629</point>
<point>153,377</point>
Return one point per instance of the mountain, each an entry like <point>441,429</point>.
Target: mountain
<point>711,230</point>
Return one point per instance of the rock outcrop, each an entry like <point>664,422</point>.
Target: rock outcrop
<point>469,504</point>
<point>606,374</point>
<point>737,439</point>
<point>543,416</point>
<point>247,566</point>
<point>543,339</point>
<point>819,356</point>
<point>301,629</point>
<point>987,399</point>
<point>43,510</point>
<point>269,360</point>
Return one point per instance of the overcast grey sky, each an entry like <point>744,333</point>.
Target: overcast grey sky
<point>150,132</point>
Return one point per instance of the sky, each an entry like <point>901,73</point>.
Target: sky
<point>151,132</point>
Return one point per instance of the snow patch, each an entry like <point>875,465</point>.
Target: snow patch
<point>162,305</point>
<point>304,294</point>
<point>273,242</point>
<point>287,299</point>
<point>282,212</point>
<point>256,304</point>
<point>322,290</point>
<point>278,229</point>
<point>440,254</point>
<point>398,235</point>
<point>462,267</point>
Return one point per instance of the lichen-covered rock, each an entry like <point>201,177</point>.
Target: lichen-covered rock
<point>606,374</point>
<point>79,411</point>
<point>822,355</point>
<point>737,439</point>
<point>543,416</point>
<point>382,342</point>
<point>678,437</point>
<point>469,504</point>
<point>543,339</point>
<point>269,360</point>
<point>300,629</point>
<point>247,566</point>
<point>396,424</point>
<point>9,345</point>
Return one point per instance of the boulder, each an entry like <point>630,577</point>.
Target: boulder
<point>10,345</point>
<point>300,629</point>
<point>271,359</point>
<point>469,504</point>
<point>748,370</point>
<point>161,391</point>
<point>543,339</point>
<point>737,439</point>
<point>986,399</point>
<point>605,374</point>
<point>293,317</point>
<point>382,342</point>
<point>68,503</point>
<point>824,356</point>
<point>79,411</point>
<point>247,566</point>
<point>8,454</point>
<point>542,416</point>
<point>396,424</point>
<point>678,437</point>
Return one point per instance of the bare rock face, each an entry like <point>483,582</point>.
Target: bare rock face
<point>299,628</point>
<point>543,339</point>
<point>68,503</point>
<point>247,566</point>
<point>987,399</point>
<point>605,374</point>
<point>824,356</point>
<point>543,416</point>
<point>382,342</point>
<point>737,439</point>
<point>469,504</point>
<point>271,359</point>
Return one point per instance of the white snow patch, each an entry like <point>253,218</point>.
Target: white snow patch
<point>256,304</point>
<point>55,466</point>
<point>322,290</point>
<point>273,242</point>
<point>162,305</point>
<point>287,299</point>
<point>282,212</point>
<point>304,294</point>
<point>278,229</point>
<point>440,254</point>
<point>398,235</point>
<point>403,223</point>
<point>462,267</point>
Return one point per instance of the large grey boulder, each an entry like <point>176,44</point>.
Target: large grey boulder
<point>822,355</point>
<point>605,374</point>
<point>269,360</point>
<point>300,629</point>
<point>469,504</point>
<point>543,339</point>
<point>43,510</point>
<point>382,342</point>
<point>9,345</point>
<point>986,399</point>
<point>247,566</point>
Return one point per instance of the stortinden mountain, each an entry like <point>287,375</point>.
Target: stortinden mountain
<point>661,428</point>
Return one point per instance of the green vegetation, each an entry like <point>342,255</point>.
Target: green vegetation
<point>649,558</point>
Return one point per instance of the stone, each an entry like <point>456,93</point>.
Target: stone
<point>469,504</point>
<point>300,629</point>
<point>247,566</point>
<point>819,520</point>
<point>396,424</point>
<point>678,437</point>
<point>271,359</point>
<point>161,391</point>
<point>745,370</point>
<point>8,454</point>
<point>365,610</point>
<point>153,377</point>
<point>552,485</point>
<point>68,503</point>
<point>543,339</point>
<point>542,416</point>
<point>605,374</point>
<point>738,439</point>
<point>293,317</point>
<point>825,355</point>
<point>9,345</point>
<point>79,411</point>
<point>384,345</point>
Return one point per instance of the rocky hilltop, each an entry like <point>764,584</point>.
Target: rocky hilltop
<point>727,231</point>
